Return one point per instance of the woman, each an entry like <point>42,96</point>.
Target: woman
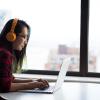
<point>13,42</point>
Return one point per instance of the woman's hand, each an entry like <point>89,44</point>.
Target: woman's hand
<point>42,84</point>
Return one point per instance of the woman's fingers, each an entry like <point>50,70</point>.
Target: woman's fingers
<point>44,81</point>
<point>41,85</point>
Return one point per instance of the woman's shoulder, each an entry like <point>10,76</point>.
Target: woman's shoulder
<point>4,52</point>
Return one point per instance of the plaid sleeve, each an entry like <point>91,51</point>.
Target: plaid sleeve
<point>5,71</point>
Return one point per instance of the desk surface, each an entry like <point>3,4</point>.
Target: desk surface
<point>69,91</point>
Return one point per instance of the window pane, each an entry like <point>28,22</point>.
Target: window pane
<point>94,40</point>
<point>55,32</point>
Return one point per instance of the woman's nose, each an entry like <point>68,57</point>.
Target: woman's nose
<point>25,41</point>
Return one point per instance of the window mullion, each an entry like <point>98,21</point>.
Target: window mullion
<point>84,37</point>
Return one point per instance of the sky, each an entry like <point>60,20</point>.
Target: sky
<point>53,21</point>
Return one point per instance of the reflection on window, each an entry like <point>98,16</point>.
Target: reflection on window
<point>4,15</point>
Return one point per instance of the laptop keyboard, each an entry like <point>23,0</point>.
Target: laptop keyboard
<point>50,88</point>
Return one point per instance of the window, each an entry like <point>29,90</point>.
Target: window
<point>55,35</point>
<point>94,39</point>
<point>59,29</point>
<point>55,31</point>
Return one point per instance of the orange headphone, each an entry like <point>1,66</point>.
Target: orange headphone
<point>11,36</point>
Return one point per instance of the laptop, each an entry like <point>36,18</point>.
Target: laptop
<point>60,79</point>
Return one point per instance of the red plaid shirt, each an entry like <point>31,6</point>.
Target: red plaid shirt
<point>6,77</point>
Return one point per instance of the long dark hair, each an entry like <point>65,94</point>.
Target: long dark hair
<point>8,45</point>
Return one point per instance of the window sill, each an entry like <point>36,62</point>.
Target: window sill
<point>52,78</point>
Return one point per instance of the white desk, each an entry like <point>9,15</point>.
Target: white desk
<point>69,91</point>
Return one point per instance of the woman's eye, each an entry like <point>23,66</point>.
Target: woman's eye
<point>22,36</point>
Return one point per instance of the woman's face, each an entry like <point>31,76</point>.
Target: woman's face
<point>21,40</point>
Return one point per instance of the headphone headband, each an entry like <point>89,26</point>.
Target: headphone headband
<point>13,25</point>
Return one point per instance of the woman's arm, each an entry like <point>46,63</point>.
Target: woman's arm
<point>22,80</point>
<point>28,85</point>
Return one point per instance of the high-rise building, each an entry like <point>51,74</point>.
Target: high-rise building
<point>62,49</point>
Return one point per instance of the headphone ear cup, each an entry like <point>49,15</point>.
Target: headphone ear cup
<point>11,37</point>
